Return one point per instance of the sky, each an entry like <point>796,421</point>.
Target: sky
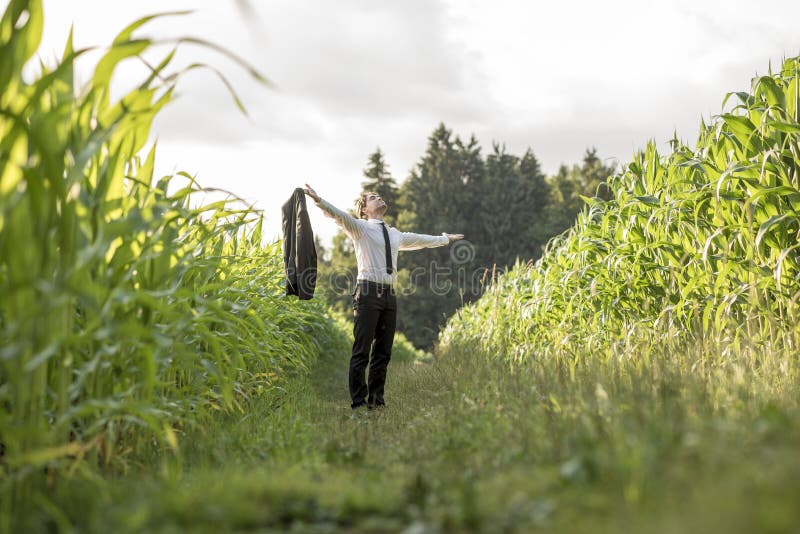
<point>349,76</point>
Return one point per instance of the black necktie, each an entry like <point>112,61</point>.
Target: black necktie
<point>388,249</point>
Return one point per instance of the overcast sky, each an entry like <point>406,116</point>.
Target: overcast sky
<point>352,75</point>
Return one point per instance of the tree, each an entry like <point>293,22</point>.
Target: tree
<point>594,175</point>
<point>570,183</point>
<point>513,201</point>
<point>379,179</point>
<point>441,195</point>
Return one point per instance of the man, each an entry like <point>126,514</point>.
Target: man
<point>374,300</point>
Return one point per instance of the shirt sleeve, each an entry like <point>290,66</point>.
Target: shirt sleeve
<point>349,224</point>
<point>411,241</point>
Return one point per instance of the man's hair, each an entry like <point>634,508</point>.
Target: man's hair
<point>361,203</point>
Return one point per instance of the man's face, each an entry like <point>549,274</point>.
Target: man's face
<point>375,204</point>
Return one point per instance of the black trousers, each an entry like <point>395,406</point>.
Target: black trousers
<point>375,313</point>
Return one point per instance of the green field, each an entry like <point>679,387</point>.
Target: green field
<point>467,445</point>
<point>641,377</point>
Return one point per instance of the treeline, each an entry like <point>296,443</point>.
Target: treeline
<point>503,203</point>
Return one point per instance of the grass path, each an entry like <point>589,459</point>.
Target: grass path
<point>466,446</point>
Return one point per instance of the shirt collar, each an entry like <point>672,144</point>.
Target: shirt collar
<point>375,221</point>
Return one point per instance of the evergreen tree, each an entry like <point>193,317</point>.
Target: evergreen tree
<point>594,175</point>
<point>536,229</point>
<point>570,183</point>
<point>379,179</point>
<point>514,198</point>
<point>441,195</point>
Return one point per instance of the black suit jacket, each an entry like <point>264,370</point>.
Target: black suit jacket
<point>299,254</point>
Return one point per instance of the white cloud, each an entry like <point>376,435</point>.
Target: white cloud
<point>557,77</point>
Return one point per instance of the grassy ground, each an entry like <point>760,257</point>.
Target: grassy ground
<point>469,445</point>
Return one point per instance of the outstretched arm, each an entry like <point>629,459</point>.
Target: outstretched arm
<point>348,223</point>
<point>412,241</point>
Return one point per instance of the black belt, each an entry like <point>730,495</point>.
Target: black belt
<point>376,286</point>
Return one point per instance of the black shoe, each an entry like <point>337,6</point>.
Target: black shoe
<point>358,411</point>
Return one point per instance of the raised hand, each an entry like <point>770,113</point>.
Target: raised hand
<point>313,194</point>
<point>454,237</point>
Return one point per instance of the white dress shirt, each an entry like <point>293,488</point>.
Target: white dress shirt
<point>367,236</point>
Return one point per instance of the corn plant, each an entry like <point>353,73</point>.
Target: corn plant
<point>699,246</point>
<point>127,310</point>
